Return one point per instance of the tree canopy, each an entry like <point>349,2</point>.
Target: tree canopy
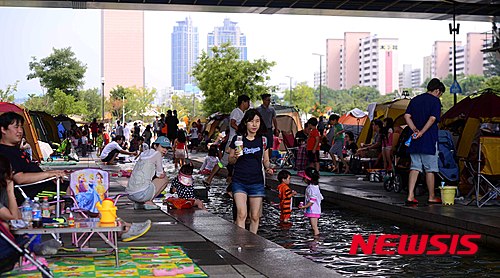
<point>223,77</point>
<point>7,95</point>
<point>60,70</point>
<point>136,101</point>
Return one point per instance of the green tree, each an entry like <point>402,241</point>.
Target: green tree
<point>469,83</point>
<point>493,68</point>
<point>39,103</point>
<point>92,102</point>
<point>60,70</point>
<point>67,104</point>
<point>139,100</point>
<point>223,77</point>
<point>8,94</point>
<point>302,97</point>
<point>492,83</point>
<point>117,99</point>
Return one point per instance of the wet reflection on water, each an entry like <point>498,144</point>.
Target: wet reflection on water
<point>337,226</point>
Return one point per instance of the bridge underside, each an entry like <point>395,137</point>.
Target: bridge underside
<point>470,10</point>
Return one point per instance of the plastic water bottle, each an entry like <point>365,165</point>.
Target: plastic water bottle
<point>408,142</point>
<point>239,145</point>
<point>37,213</point>
<point>45,208</point>
<point>27,211</point>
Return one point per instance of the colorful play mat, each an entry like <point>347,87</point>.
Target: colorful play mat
<point>134,262</point>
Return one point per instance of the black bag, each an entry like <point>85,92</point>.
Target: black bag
<point>355,166</point>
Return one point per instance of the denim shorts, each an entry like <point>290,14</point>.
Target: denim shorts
<point>424,162</point>
<point>251,190</point>
<point>145,195</point>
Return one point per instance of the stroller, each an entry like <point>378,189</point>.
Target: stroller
<point>397,180</point>
<point>12,249</point>
<point>66,151</point>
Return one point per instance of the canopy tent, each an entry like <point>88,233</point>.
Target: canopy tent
<point>46,126</point>
<point>394,109</point>
<point>467,116</point>
<point>354,121</point>
<point>288,118</point>
<point>29,127</point>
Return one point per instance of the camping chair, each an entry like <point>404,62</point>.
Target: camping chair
<point>484,176</point>
<point>12,250</point>
<point>89,186</point>
<point>289,142</point>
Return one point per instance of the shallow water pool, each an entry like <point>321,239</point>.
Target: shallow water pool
<point>338,225</point>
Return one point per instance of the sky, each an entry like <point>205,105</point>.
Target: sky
<point>289,40</point>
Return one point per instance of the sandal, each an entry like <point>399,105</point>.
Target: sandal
<point>409,203</point>
<point>435,201</point>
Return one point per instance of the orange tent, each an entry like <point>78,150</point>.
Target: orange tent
<point>29,129</point>
<point>353,117</point>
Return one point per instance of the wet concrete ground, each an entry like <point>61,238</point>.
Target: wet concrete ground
<point>219,247</point>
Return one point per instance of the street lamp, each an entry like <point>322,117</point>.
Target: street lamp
<point>320,74</point>
<point>289,77</point>
<point>102,91</point>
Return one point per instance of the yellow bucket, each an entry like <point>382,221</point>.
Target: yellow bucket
<point>448,195</point>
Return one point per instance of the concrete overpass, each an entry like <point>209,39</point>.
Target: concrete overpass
<point>467,10</point>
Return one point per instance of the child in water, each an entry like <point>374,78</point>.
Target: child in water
<point>285,195</point>
<point>313,197</point>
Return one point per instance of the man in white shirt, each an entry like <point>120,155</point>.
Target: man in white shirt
<point>234,120</point>
<point>126,132</point>
<point>111,150</point>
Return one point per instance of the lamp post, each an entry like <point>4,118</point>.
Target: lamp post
<point>102,91</point>
<point>320,74</point>
<point>289,77</point>
<point>455,29</point>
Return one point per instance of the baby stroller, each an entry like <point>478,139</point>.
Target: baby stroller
<point>66,151</point>
<point>13,249</point>
<point>397,180</point>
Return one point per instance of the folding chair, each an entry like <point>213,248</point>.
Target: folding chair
<point>12,251</point>
<point>89,186</point>
<point>484,176</point>
<point>289,142</point>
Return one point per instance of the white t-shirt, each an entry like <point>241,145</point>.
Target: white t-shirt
<point>237,115</point>
<point>194,132</point>
<point>209,163</point>
<point>110,147</point>
<point>126,133</point>
<point>85,140</point>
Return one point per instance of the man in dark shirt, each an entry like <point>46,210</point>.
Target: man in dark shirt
<point>422,115</point>
<point>25,171</point>
<point>172,123</point>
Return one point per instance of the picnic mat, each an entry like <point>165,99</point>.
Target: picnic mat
<point>134,262</point>
<point>322,173</point>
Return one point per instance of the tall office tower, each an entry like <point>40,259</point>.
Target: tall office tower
<point>185,51</point>
<point>122,49</point>
<point>441,57</point>
<point>474,58</point>
<point>230,33</point>
<point>378,64</point>
<point>333,69</point>
<point>460,57</point>
<point>350,59</point>
<point>427,67</point>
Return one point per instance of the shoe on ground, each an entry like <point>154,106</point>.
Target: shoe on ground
<point>151,207</point>
<point>136,230</point>
<point>139,206</point>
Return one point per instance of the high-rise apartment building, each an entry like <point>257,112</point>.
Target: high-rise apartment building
<point>228,33</point>
<point>460,58</point>
<point>361,59</point>
<point>441,58</point>
<point>185,51</point>
<point>409,77</point>
<point>475,60</point>
<point>122,49</point>
<point>333,50</point>
<point>378,64</point>
<point>427,68</point>
<point>318,79</point>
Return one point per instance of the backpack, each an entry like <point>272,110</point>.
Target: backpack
<point>163,128</point>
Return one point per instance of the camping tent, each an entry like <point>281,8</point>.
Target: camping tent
<point>354,121</point>
<point>29,128</point>
<point>288,118</point>
<point>63,124</point>
<point>46,126</point>
<point>217,119</point>
<point>394,109</point>
<point>468,115</point>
